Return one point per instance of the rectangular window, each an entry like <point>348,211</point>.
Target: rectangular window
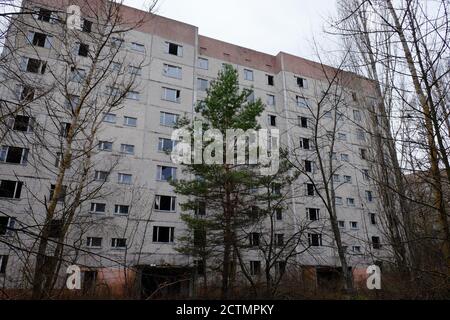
<point>336,178</point>
<point>118,243</point>
<point>33,65</point>
<point>165,173</point>
<point>302,83</point>
<point>166,145</point>
<point>279,239</point>
<point>272,120</point>
<point>313,214</point>
<point>369,196</point>
<point>86,26</point>
<point>3,263</point>
<point>10,189</point>
<point>310,189</point>
<point>127,148</point>
<point>24,93</point>
<point>172,95</point>
<point>101,176</point>
<point>255,268</point>
<point>342,137</point>
<point>133,95</point>
<point>202,84</point>
<point>303,122</point>
<point>270,100</point>
<point>94,242</point>
<point>345,157</point>
<point>130,121</point>
<point>248,74</point>
<point>348,179</point>
<point>203,63</point>
<point>13,155</point>
<point>360,135</point>
<point>163,234</point>
<point>168,119</point>
<point>302,102</point>
<point>254,239</point>
<point>165,203</point>
<point>82,49</point>
<point>7,225</point>
<point>137,47</point>
<point>40,39</point>
<point>373,218</point>
<point>98,207</point>
<point>77,74</point>
<point>122,210</point>
<point>200,209</point>
<point>125,178</point>
<point>116,42</point>
<point>105,146</point>
<point>279,214</point>
<point>173,49</point>
<point>23,124</point>
<point>341,224</point>
<point>315,239</point>
<point>353,225</point>
<point>309,166</point>
<point>56,228</point>
<point>270,80</point>
<point>356,115</point>
<point>62,193</point>
<point>351,202</point>
<point>172,71</point>
<point>136,71</point>
<point>305,143</point>
<point>44,15</point>
<point>338,200</point>
<point>356,249</point>
<point>365,174</point>
<point>109,117</point>
<point>363,154</point>
<point>376,244</point>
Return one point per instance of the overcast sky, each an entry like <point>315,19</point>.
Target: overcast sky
<point>265,25</point>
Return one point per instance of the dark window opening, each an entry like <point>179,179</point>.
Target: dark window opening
<point>308,166</point>
<point>279,239</point>
<point>27,94</point>
<point>44,15</point>
<point>304,143</point>
<point>6,225</point>
<point>39,39</point>
<point>201,208</point>
<point>118,242</point>
<point>22,123</point>
<point>376,244</point>
<point>309,189</point>
<point>273,120</point>
<point>65,127</point>
<point>270,80</point>
<point>315,240</point>
<point>255,268</point>
<point>36,66</point>
<point>174,49</point>
<point>10,189</point>
<point>199,238</point>
<point>83,50</point>
<point>62,194</point>
<point>313,214</point>
<point>200,267</point>
<point>3,263</point>
<point>279,214</point>
<point>165,203</point>
<point>304,122</point>
<point>373,219</point>
<point>15,155</point>
<point>87,26</point>
<point>55,228</point>
<point>254,239</point>
<point>163,234</point>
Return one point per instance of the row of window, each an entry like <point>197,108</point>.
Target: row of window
<point>310,190</point>
<point>160,235</point>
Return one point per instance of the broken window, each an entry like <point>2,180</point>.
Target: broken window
<point>173,49</point>
<point>315,239</point>
<point>83,49</point>
<point>165,203</point>
<point>313,214</point>
<point>33,65</point>
<point>44,15</point>
<point>119,243</point>
<point>10,189</point>
<point>163,234</point>
<point>62,194</point>
<point>87,26</point>
<point>255,268</point>
<point>254,239</point>
<point>272,120</point>
<point>94,242</point>
<point>305,143</point>
<point>308,166</point>
<point>3,263</point>
<point>23,123</point>
<point>40,39</point>
<point>341,224</point>
<point>376,244</point>
<point>303,122</point>
<point>310,189</point>
<point>6,225</point>
<point>301,82</point>
<point>270,80</point>
<point>13,155</point>
<point>279,239</point>
<point>55,228</point>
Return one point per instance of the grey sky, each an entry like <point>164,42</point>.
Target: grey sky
<point>264,25</point>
